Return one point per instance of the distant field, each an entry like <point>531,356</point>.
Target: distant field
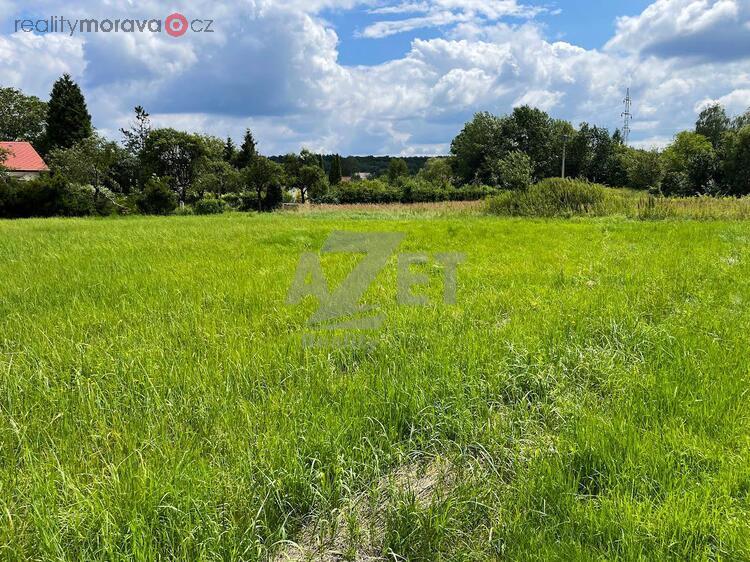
<point>585,398</point>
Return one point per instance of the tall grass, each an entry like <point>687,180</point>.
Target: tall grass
<point>551,198</point>
<point>589,390</point>
<point>567,197</point>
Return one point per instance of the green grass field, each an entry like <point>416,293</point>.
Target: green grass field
<point>586,398</point>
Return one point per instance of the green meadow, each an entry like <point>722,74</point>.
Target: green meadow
<point>585,398</point>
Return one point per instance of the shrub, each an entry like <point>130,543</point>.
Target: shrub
<point>8,189</point>
<point>46,196</point>
<point>407,190</point>
<point>128,204</point>
<point>274,197</point>
<point>367,191</point>
<point>420,191</point>
<point>469,193</point>
<point>677,184</point>
<point>248,201</point>
<point>157,198</point>
<point>550,198</point>
<point>232,200</point>
<point>104,202</point>
<point>209,206</point>
<point>328,198</point>
<point>318,191</point>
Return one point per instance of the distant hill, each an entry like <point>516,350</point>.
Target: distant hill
<point>375,165</point>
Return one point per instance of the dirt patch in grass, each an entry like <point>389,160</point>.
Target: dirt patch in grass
<point>355,532</point>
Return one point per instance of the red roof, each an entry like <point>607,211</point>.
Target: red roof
<point>22,157</point>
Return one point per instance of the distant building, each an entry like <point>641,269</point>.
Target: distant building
<point>22,161</point>
<point>356,177</point>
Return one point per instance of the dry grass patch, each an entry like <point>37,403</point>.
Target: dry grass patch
<point>357,531</point>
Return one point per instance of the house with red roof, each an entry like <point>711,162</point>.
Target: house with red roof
<point>21,160</point>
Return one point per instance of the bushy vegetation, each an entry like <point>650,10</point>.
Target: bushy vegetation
<point>569,198</point>
<point>210,206</point>
<point>488,150</point>
<point>403,190</point>
<point>509,156</point>
<point>372,166</point>
<point>157,198</point>
<point>49,196</point>
<point>551,198</point>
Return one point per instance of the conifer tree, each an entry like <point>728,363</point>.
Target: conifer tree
<point>230,151</point>
<point>334,176</point>
<point>248,151</point>
<point>68,118</point>
<point>135,137</point>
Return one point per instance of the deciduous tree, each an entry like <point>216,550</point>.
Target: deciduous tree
<point>263,177</point>
<point>683,176</point>
<point>312,180</point>
<point>513,171</point>
<point>438,171</point>
<point>479,140</point>
<point>22,117</point>
<point>397,168</point>
<point>712,123</point>
<point>88,162</point>
<point>643,167</point>
<point>174,154</point>
<point>736,162</point>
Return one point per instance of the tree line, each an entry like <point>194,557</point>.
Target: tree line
<point>159,170</point>
<point>512,151</point>
<point>152,170</point>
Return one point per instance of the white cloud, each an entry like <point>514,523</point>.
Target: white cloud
<point>405,8</point>
<point>274,66</point>
<point>706,29</point>
<point>42,60</point>
<point>441,13</point>
<point>652,143</point>
<point>735,102</point>
<point>543,99</point>
<point>437,19</point>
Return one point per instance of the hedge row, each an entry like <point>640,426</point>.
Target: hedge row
<point>406,191</point>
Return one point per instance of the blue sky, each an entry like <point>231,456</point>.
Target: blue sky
<point>390,76</point>
<point>586,23</point>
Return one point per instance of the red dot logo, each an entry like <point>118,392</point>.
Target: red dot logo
<point>176,24</point>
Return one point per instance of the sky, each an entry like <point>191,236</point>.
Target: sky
<point>385,76</point>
